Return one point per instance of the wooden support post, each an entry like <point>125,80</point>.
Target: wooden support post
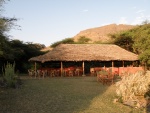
<point>61,69</point>
<point>83,69</point>
<point>112,66</point>
<point>133,62</point>
<point>35,66</point>
<point>35,70</point>
<point>104,67</point>
<point>123,63</point>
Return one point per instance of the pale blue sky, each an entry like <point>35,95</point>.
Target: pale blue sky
<point>48,21</point>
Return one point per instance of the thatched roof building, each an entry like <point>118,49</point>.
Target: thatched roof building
<point>86,52</point>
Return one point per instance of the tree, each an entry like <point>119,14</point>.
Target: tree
<point>23,51</point>
<point>64,41</point>
<point>124,40</point>
<point>136,40</point>
<point>5,25</point>
<point>142,43</point>
<point>145,22</point>
<point>15,50</point>
<point>145,57</point>
<point>83,40</point>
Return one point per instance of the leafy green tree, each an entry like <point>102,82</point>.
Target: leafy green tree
<point>124,40</point>
<point>136,40</point>
<point>23,51</point>
<point>142,43</point>
<point>15,50</point>
<point>145,58</point>
<point>64,41</point>
<point>145,22</point>
<point>5,25</point>
<point>5,48</point>
<point>68,41</point>
<point>83,40</point>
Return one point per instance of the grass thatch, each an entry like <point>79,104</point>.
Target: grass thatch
<point>87,52</point>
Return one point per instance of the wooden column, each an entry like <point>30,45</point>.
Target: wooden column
<point>112,66</point>
<point>83,68</point>
<point>123,63</point>
<point>104,66</point>
<point>35,66</point>
<point>61,69</point>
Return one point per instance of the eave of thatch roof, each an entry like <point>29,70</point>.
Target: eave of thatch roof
<point>86,52</point>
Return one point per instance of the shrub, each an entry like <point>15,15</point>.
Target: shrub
<point>133,86</point>
<point>10,78</point>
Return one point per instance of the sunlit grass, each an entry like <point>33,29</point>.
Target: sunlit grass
<point>61,95</point>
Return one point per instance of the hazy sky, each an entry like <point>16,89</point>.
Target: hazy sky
<point>49,21</point>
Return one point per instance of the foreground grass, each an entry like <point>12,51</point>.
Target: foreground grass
<point>61,95</point>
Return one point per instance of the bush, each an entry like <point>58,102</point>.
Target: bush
<point>10,78</point>
<point>132,88</point>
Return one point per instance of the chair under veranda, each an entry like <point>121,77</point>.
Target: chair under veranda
<point>92,71</point>
<point>31,73</point>
<point>105,77</point>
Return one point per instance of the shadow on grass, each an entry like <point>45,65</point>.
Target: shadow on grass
<point>51,95</point>
<point>61,95</point>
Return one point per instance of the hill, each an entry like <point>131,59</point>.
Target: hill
<point>102,33</point>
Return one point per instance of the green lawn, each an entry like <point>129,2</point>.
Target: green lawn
<point>61,95</point>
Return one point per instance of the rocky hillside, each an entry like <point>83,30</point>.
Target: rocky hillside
<point>102,33</point>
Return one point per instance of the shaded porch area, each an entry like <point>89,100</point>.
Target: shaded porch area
<point>82,68</point>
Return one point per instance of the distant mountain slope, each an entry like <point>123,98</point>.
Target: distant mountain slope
<point>101,33</point>
<point>46,49</point>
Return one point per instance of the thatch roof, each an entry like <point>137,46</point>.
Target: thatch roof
<point>86,52</point>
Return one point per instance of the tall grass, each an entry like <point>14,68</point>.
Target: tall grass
<point>133,87</point>
<point>9,75</point>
